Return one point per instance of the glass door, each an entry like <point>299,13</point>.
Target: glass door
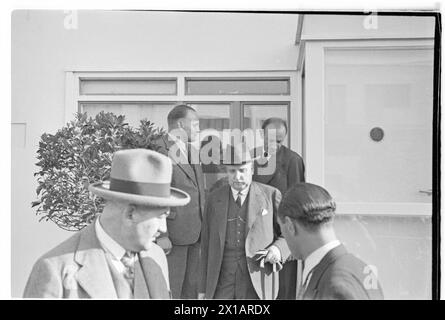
<point>368,130</point>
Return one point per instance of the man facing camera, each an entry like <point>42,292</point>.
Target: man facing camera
<point>115,257</point>
<point>306,217</point>
<point>242,246</point>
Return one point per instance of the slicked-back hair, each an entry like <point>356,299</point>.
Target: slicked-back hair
<point>274,120</point>
<point>310,205</point>
<point>178,112</point>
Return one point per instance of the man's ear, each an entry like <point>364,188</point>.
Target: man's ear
<point>290,225</point>
<point>129,212</point>
<point>180,124</point>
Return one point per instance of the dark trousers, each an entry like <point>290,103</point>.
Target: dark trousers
<point>183,269</point>
<point>288,281</point>
<point>234,280</point>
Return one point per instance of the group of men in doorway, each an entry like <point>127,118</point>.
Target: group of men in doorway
<point>164,234</point>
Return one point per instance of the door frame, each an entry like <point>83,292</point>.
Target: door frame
<point>73,98</point>
<point>314,115</point>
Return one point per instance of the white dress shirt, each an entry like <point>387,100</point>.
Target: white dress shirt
<point>314,259</point>
<point>112,247</point>
<point>243,194</point>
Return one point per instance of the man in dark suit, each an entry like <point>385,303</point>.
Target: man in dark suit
<point>242,245</point>
<point>280,167</point>
<point>306,217</point>
<point>184,224</point>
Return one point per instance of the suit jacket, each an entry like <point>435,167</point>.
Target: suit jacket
<point>78,269</point>
<point>289,169</point>
<point>184,223</point>
<point>342,276</point>
<point>262,231</point>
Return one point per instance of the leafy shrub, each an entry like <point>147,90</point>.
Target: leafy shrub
<point>79,154</point>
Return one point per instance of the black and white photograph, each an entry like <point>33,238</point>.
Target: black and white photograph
<point>225,155</point>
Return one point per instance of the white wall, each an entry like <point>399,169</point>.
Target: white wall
<point>372,26</point>
<point>42,49</point>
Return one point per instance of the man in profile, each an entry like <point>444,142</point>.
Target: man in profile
<point>182,239</point>
<point>330,272</point>
<point>280,167</point>
<point>115,257</point>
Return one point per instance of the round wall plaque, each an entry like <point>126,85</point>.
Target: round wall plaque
<point>377,134</point>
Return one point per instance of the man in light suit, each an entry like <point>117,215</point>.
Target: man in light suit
<point>115,256</point>
<point>182,239</point>
<point>330,272</point>
<point>239,223</point>
<point>287,168</point>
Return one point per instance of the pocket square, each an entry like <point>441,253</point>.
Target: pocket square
<point>264,212</point>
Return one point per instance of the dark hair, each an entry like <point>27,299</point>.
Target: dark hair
<point>310,205</point>
<point>274,120</point>
<point>178,112</point>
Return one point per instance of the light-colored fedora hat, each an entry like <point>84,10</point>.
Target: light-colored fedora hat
<point>237,155</point>
<point>142,177</point>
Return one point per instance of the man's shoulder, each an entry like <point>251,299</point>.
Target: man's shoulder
<point>350,262</point>
<point>345,268</point>
<point>290,154</point>
<point>345,278</point>
<point>64,251</point>
<point>267,189</point>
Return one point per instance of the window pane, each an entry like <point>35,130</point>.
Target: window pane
<point>389,91</point>
<point>237,87</point>
<point>256,114</point>
<point>134,112</point>
<point>127,86</point>
<point>213,116</point>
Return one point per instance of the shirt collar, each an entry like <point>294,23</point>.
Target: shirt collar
<point>108,243</point>
<point>316,256</point>
<point>243,192</point>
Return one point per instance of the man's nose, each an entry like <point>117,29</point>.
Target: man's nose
<point>163,225</point>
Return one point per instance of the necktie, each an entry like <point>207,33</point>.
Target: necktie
<point>128,261</point>
<point>238,200</point>
<point>191,155</point>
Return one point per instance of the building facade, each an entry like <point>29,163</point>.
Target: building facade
<point>356,90</point>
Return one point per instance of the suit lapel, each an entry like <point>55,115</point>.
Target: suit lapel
<point>140,285</point>
<point>93,276</point>
<point>330,257</point>
<point>183,161</point>
<point>221,207</point>
<point>255,204</point>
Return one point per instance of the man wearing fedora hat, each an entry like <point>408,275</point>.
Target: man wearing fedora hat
<point>116,257</point>
<point>242,246</point>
